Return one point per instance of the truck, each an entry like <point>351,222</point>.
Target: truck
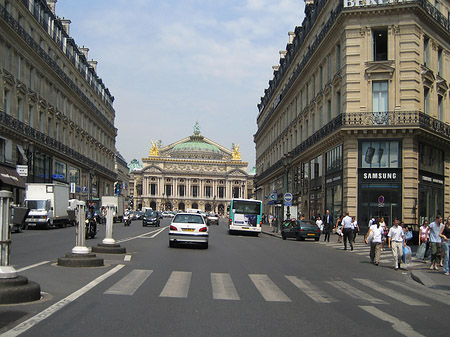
<point>119,204</point>
<point>48,204</point>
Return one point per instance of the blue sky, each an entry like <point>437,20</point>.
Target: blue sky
<point>171,63</point>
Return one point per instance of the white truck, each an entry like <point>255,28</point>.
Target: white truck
<point>119,204</point>
<point>48,204</point>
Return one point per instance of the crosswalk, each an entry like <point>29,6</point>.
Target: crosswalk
<point>361,249</point>
<point>274,289</point>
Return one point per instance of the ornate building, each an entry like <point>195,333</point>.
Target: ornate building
<point>356,117</point>
<point>57,116</point>
<point>194,172</point>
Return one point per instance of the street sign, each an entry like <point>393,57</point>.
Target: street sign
<point>22,170</point>
<point>288,197</point>
<point>273,196</point>
<point>380,199</point>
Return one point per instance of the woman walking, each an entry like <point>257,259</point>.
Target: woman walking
<point>423,241</point>
<point>445,235</point>
<point>385,232</point>
<point>338,229</point>
<point>375,244</point>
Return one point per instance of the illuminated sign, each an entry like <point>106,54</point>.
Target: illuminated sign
<point>367,3</point>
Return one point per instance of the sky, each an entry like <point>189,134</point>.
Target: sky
<point>172,63</point>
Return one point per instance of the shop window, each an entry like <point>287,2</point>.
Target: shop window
<point>380,154</point>
<point>316,167</point>
<point>334,160</point>
<point>431,159</point>
<point>380,44</point>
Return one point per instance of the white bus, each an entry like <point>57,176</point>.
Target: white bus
<point>245,216</point>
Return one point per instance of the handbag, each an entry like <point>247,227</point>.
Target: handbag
<point>421,251</point>
<point>406,257</point>
<point>370,237</point>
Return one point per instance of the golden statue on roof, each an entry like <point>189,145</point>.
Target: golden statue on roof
<point>236,154</point>
<point>154,151</point>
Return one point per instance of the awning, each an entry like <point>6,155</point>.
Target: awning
<point>10,177</point>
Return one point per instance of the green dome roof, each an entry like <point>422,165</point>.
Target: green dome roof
<point>195,146</point>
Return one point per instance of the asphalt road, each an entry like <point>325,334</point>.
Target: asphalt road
<point>239,286</point>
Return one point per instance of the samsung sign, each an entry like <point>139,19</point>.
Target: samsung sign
<point>366,3</point>
<point>380,175</point>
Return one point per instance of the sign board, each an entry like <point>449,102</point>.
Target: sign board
<point>288,197</point>
<point>72,188</point>
<point>22,170</point>
<point>273,196</point>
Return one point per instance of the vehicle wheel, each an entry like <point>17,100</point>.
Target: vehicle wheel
<point>317,239</point>
<point>172,244</point>
<point>144,225</point>
<point>283,236</point>
<point>205,245</point>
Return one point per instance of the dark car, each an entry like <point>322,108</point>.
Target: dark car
<point>150,218</point>
<point>300,230</point>
<point>212,219</point>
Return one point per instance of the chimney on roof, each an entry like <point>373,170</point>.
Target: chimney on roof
<point>93,64</point>
<point>66,25</point>
<point>85,51</point>
<point>52,4</point>
<point>291,37</point>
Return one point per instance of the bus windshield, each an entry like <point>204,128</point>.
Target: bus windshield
<point>246,207</point>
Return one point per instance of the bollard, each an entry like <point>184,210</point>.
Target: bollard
<point>6,271</point>
<point>80,247</point>
<point>108,240</point>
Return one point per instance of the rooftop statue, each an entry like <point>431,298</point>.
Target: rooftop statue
<point>154,152</point>
<point>236,154</point>
<point>196,129</point>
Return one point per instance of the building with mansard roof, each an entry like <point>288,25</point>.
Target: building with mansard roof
<point>194,172</point>
<point>356,117</point>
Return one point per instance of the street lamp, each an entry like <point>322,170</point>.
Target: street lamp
<point>287,161</point>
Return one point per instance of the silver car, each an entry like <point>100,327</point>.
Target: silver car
<point>188,228</point>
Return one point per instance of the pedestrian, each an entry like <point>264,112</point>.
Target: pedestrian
<point>385,232</point>
<point>445,235</point>
<point>270,219</point>
<point>355,228</point>
<point>435,240</point>
<point>396,242</point>
<point>347,231</point>
<point>275,224</point>
<point>328,226</point>
<point>375,243</point>
<point>319,223</point>
<point>338,229</point>
<point>423,241</point>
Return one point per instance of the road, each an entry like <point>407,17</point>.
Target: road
<point>239,286</point>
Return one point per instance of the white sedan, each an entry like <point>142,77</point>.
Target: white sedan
<point>188,228</point>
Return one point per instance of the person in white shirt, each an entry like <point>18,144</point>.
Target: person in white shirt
<point>396,242</point>
<point>319,223</point>
<point>347,230</point>
<point>375,244</point>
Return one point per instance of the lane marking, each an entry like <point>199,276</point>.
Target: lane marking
<point>31,322</point>
<point>127,258</point>
<point>355,292</point>
<point>443,298</point>
<point>391,293</point>
<point>400,326</point>
<point>177,285</point>
<point>32,266</point>
<point>130,283</point>
<point>310,290</point>
<point>223,287</point>
<point>158,231</point>
<point>268,289</point>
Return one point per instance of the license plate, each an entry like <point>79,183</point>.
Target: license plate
<point>311,234</point>
<point>245,228</point>
<point>188,229</point>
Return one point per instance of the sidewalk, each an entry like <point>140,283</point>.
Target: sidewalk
<point>420,272</point>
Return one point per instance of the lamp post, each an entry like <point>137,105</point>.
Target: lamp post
<point>287,161</point>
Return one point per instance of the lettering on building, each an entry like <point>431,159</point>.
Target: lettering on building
<point>379,176</point>
<point>367,3</point>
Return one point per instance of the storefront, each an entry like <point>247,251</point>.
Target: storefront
<point>333,182</point>
<point>379,180</point>
<point>11,181</point>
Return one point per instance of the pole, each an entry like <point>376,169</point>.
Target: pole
<point>80,247</point>
<point>6,271</point>
<point>108,240</point>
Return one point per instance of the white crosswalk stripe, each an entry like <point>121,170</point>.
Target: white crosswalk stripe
<point>223,287</point>
<point>177,285</point>
<point>268,289</point>
<point>311,290</point>
<point>355,292</point>
<point>391,292</point>
<point>130,283</point>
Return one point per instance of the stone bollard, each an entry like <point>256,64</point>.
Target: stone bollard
<point>13,288</point>
<point>109,245</point>
<point>80,256</point>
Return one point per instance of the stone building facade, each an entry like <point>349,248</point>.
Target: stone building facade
<point>194,172</point>
<point>56,116</point>
<point>356,117</point>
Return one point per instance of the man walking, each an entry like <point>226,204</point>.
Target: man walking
<point>347,231</point>
<point>436,242</point>
<point>396,242</point>
<point>328,225</point>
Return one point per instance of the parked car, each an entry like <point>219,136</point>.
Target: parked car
<point>150,218</point>
<point>212,219</point>
<point>300,230</point>
<point>188,228</point>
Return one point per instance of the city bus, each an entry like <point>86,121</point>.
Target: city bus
<point>245,216</point>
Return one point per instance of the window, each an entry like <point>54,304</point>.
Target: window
<point>2,150</point>
<point>380,154</point>
<point>426,100</point>
<point>334,159</point>
<point>440,70</point>
<point>380,44</point>
<point>30,115</point>
<point>440,108</point>
<point>328,68</point>
<point>221,192</point>
<point>380,96</point>
<point>153,189</point>
<point>329,111</point>
<point>60,169</point>
<point>338,57</point>
<point>6,102</point>
<point>338,102</point>
<point>321,78</point>
<point>316,167</point>
<point>20,109</point>
<point>208,191</point>
<point>195,191</point>
<point>181,190</point>
<point>426,51</point>
<point>32,71</point>
<point>168,190</point>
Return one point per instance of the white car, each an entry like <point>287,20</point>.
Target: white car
<point>188,228</point>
